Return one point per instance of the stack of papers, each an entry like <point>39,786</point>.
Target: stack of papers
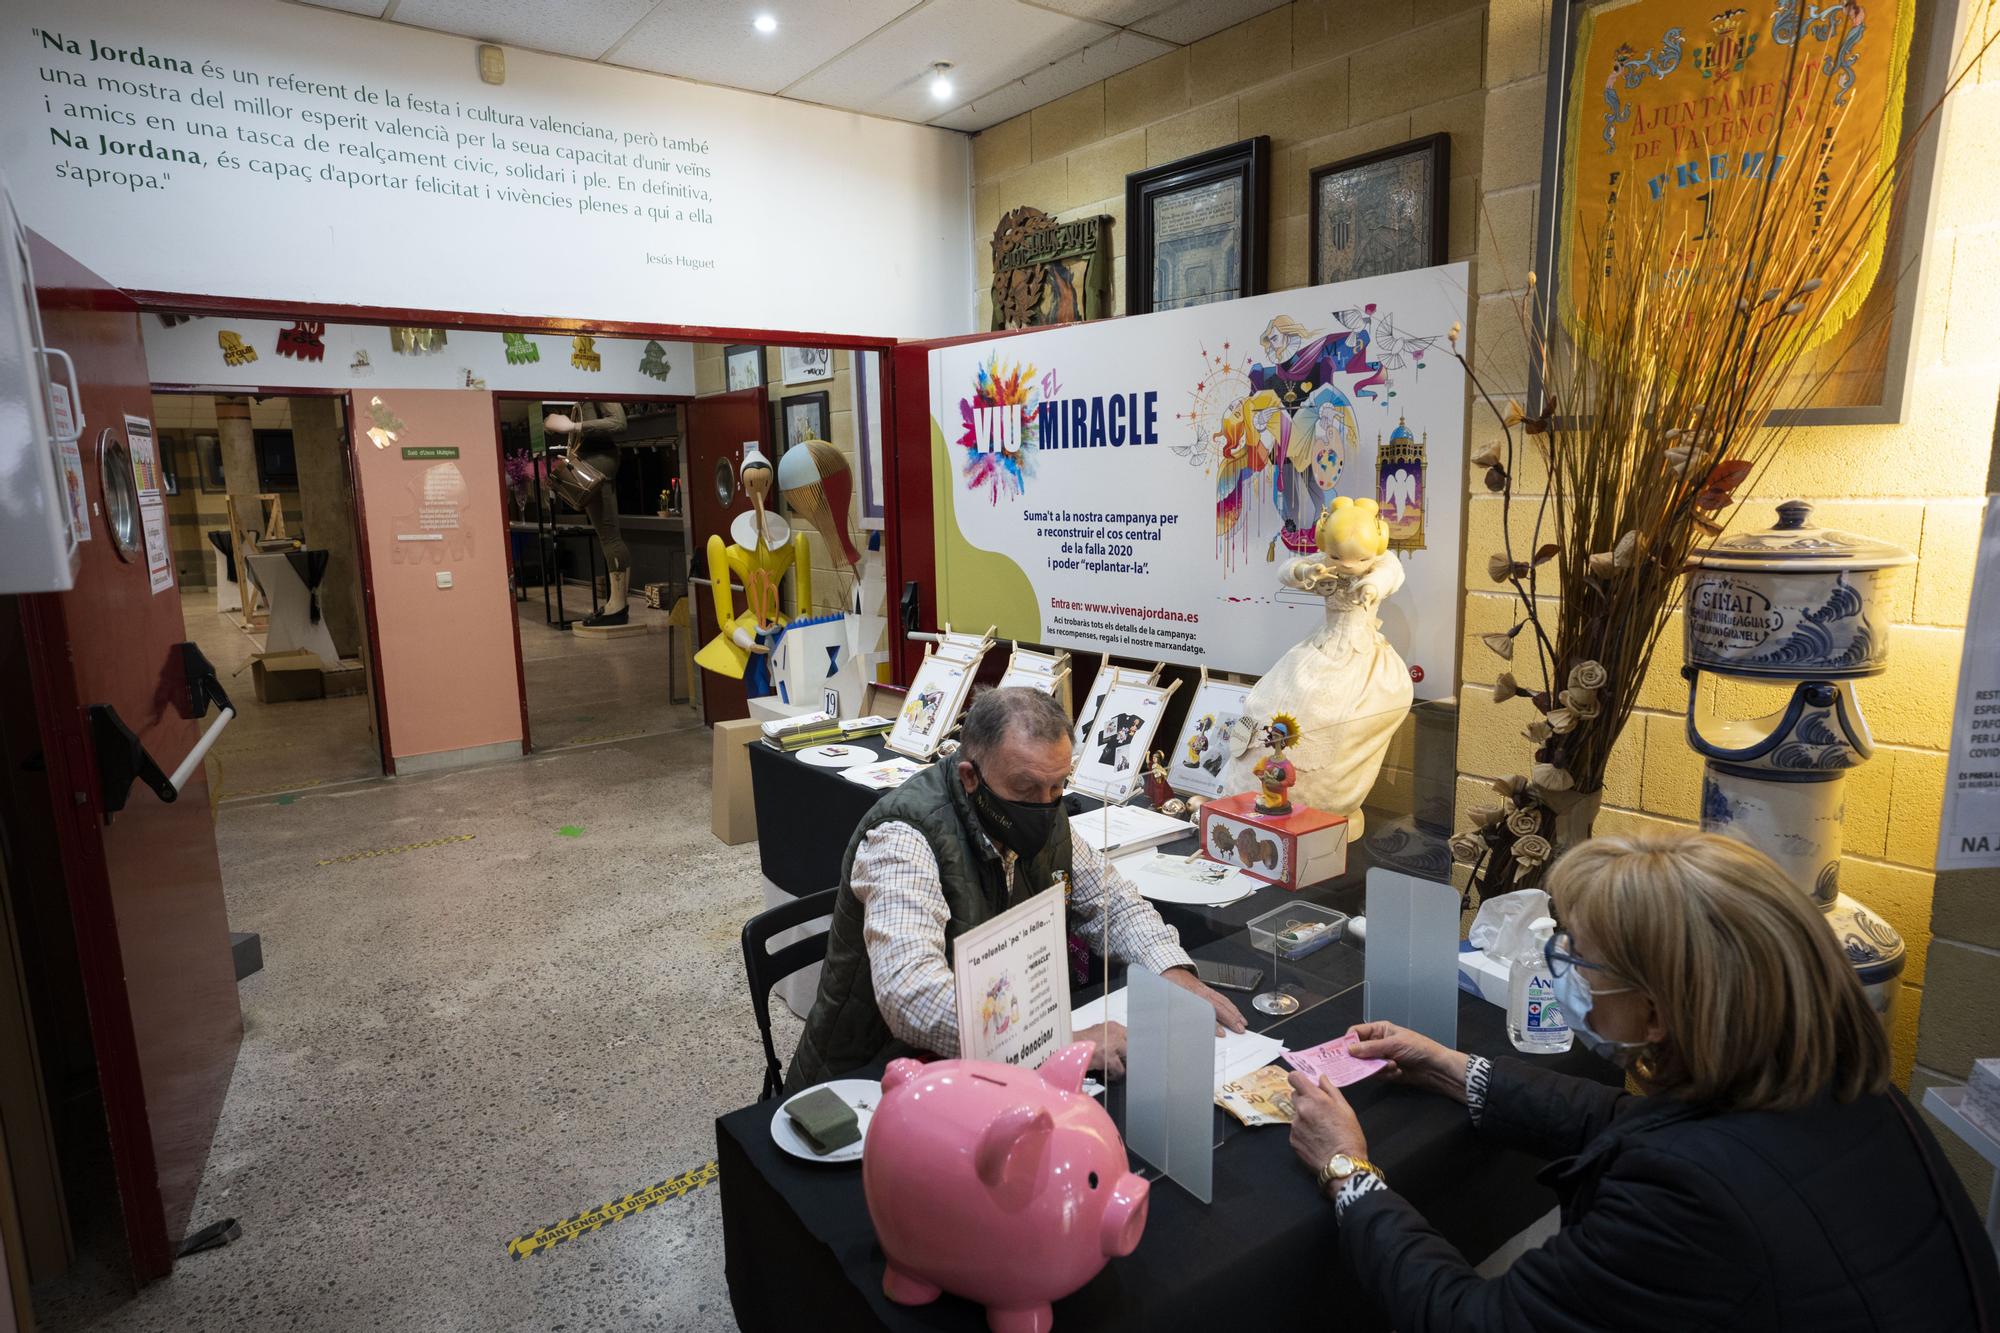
<point>1167,878</point>
<point>1236,1053</point>
<point>1127,828</point>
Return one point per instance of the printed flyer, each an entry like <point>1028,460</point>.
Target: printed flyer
<point>1135,485</point>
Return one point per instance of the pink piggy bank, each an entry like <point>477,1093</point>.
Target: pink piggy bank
<point>1002,1185</point>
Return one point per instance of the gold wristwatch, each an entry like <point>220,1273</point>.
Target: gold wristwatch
<point>1342,1165</point>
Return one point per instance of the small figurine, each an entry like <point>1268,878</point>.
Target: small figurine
<point>1158,790</point>
<point>1274,771</point>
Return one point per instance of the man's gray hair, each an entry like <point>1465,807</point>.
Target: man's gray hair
<point>1014,711</point>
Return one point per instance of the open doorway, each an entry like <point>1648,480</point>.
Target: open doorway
<point>600,565</point>
<point>267,550</point>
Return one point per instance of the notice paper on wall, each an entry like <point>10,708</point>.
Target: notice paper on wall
<point>152,508</point>
<point>63,422</point>
<point>1969,831</point>
<point>1012,975</point>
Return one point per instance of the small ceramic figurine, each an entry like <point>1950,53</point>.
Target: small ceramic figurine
<point>1158,790</point>
<point>1275,771</point>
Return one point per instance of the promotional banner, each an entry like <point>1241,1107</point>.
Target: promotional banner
<point>1134,486</point>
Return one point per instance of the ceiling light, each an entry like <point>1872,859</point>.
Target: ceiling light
<point>765,23</point>
<point>940,80</point>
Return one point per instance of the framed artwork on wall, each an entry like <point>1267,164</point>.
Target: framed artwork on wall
<point>170,471</point>
<point>743,366</point>
<point>1380,212</point>
<point>807,365</point>
<point>1197,228</point>
<point>865,385</point>
<point>803,416</point>
<point>208,462</point>
<point>1653,101</point>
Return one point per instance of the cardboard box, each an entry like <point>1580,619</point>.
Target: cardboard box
<point>287,677</point>
<point>1294,850</point>
<point>732,815</point>
<point>348,678</point>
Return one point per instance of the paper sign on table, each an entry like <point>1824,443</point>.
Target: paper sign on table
<point>1330,1060</point>
<point>1012,979</point>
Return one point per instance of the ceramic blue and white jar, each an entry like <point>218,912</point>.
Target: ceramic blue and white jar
<point>1792,601</point>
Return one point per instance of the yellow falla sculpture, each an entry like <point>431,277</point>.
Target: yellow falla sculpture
<point>762,548</point>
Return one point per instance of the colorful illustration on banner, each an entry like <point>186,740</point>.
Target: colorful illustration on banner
<point>1399,486</point>
<point>583,353</point>
<point>653,361</point>
<point>999,428</point>
<point>521,349</point>
<point>303,340</point>
<point>235,352</point>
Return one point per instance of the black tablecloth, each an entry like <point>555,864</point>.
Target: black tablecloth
<point>800,1251</point>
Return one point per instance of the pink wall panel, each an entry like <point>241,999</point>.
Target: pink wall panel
<point>448,669</point>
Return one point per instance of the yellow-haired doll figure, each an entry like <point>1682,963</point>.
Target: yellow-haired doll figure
<point>1343,688</point>
<point>762,549</point>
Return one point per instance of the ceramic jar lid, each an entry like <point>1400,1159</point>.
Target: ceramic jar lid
<point>1795,543</point>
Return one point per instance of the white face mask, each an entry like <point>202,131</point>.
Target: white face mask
<point>1573,996</point>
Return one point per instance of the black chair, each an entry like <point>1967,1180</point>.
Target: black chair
<point>767,967</point>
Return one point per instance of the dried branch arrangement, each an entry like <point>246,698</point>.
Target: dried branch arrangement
<point>1666,385</point>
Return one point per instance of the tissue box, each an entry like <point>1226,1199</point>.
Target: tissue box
<point>1293,850</point>
<point>1482,976</point>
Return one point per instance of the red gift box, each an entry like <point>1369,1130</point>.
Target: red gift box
<point>1301,848</point>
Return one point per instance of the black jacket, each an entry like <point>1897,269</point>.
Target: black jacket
<point>1825,1219</point>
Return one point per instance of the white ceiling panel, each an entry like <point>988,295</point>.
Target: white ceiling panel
<point>1100,60</point>
<point>1121,12</point>
<point>561,26</point>
<point>699,39</point>
<point>372,8</point>
<point>987,42</point>
<point>1192,20</point>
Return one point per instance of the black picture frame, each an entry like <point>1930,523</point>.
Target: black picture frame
<point>1411,251</point>
<point>1248,164</point>
<point>751,353</point>
<point>208,464</point>
<point>820,403</point>
<point>170,472</point>
<point>1910,225</point>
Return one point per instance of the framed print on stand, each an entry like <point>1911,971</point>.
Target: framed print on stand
<point>1380,212</point>
<point>1093,700</point>
<point>1113,759</point>
<point>931,707</point>
<point>1196,228</point>
<point>1648,99</point>
<point>743,366</point>
<point>1195,765</point>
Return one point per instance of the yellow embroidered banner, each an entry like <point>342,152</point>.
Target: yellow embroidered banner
<point>1675,106</point>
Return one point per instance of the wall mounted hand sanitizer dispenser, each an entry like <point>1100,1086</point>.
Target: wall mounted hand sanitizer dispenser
<point>41,520</point>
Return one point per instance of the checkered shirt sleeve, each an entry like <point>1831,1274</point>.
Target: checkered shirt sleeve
<point>904,916</point>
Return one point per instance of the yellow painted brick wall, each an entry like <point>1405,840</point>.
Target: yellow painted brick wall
<point>1325,79</point>
<point>1919,484</point>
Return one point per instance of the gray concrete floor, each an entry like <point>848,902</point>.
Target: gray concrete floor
<point>452,1046</point>
<point>582,690</point>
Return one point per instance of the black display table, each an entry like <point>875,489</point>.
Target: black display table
<point>800,1251</point>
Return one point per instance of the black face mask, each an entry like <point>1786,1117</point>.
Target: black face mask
<point>1021,826</point>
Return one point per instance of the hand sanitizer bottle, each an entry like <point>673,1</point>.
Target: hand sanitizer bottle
<point>1534,1023</point>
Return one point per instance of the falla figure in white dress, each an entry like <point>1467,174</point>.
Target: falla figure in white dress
<point>1344,683</point>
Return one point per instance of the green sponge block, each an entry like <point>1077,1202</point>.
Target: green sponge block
<point>823,1120</point>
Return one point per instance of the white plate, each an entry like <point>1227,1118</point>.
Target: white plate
<point>838,755</point>
<point>863,1094</point>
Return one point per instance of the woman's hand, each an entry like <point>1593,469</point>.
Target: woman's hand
<point>1413,1058</point>
<point>1326,1124</point>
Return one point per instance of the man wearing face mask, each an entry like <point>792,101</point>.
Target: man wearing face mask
<point>961,842</point>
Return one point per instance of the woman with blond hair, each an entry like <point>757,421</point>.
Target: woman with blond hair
<point>1767,1177</point>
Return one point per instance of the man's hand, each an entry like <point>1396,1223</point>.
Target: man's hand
<point>1326,1123</point>
<point>1226,1014</point>
<point>1413,1058</point>
<point>1110,1053</point>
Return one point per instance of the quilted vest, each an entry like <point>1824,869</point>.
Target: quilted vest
<point>845,1031</point>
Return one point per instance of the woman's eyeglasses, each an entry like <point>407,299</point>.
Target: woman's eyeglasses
<point>1556,952</point>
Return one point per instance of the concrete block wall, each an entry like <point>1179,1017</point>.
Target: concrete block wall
<point>1325,79</point>
<point>1919,484</point>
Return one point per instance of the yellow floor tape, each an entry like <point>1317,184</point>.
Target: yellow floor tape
<point>555,1233</point>
<point>392,851</point>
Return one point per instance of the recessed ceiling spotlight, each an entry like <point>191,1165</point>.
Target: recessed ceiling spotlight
<point>941,80</point>
<point>765,23</point>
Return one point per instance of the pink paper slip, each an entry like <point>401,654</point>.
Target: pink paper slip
<point>1331,1060</point>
